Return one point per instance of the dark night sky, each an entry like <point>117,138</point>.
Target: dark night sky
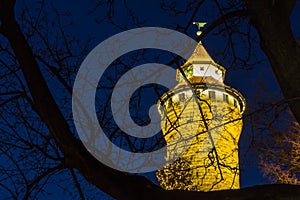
<point>246,81</point>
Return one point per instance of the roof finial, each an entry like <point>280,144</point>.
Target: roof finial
<point>199,25</point>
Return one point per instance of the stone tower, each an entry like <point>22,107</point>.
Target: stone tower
<point>201,123</point>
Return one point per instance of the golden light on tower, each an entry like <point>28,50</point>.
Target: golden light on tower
<point>211,160</point>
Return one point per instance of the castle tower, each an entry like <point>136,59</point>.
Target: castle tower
<point>201,122</point>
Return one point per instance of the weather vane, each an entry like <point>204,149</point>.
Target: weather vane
<point>199,25</point>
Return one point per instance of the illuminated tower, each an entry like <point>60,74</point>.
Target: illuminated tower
<point>203,125</point>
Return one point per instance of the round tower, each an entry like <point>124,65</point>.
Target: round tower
<point>207,112</point>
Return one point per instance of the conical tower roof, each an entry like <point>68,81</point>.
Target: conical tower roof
<point>200,54</point>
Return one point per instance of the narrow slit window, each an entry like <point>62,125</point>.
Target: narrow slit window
<point>181,97</point>
<point>225,98</point>
<point>170,102</point>
<point>235,103</point>
<point>212,95</point>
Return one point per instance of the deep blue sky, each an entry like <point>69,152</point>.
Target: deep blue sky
<point>84,24</point>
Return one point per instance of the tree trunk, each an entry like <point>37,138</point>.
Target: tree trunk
<point>271,18</point>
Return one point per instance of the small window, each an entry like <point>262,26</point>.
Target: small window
<point>225,98</point>
<point>201,68</point>
<point>181,97</point>
<point>212,95</point>
<point>235,103</point>
<point>170,103</point>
